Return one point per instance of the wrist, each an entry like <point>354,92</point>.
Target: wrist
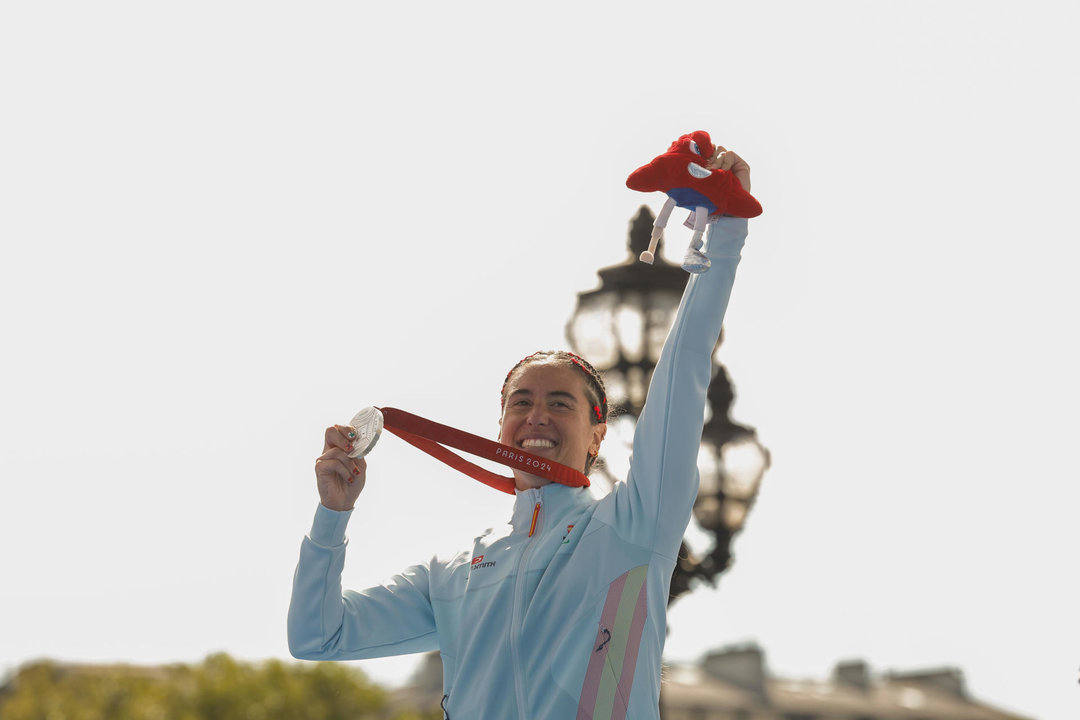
<point>328,528</point>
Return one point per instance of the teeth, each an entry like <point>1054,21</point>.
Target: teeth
<point>537,443</point>
<point>698,171</point>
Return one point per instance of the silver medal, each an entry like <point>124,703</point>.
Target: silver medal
<point>368,424</point>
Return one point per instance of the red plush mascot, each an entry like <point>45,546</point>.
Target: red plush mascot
<point>688,175</point>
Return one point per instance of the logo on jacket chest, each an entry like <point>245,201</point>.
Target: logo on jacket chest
<point>478,562</point>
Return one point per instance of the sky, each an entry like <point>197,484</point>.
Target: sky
<point>227,225</point>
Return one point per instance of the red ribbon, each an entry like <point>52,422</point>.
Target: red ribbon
<point>427,436</point>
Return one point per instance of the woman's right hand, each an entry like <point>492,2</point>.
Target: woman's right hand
<point>340,478</point>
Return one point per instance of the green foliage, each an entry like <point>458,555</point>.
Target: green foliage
<point>221,688</point>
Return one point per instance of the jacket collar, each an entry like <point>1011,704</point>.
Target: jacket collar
<point>556,500</point>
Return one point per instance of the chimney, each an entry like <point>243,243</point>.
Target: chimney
<point>951,680</point>
<point>852,673</point>
<point>740,665</point>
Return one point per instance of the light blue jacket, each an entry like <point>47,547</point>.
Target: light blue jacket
<point>570,621</point>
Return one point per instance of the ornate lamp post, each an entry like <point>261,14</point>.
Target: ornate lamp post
<point>731,464</point>
<point>620,327</point>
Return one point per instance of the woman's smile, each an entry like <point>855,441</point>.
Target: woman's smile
<point>548,412</point>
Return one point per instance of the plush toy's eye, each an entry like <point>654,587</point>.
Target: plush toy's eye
<point>695,148</point>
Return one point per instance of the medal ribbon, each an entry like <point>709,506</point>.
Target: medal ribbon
<point>431,436</point>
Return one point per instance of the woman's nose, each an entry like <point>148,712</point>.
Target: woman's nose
<point>538,415</point>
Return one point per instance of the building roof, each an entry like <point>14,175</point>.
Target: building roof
<point>736,679</point>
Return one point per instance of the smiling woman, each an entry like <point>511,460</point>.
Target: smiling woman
<point>554,401</point>
<point>561,612</point>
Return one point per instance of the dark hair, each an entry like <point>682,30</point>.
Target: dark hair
<point>594,388</point>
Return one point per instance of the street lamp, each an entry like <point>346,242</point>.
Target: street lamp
<point>731,464</point>
<point>620,328</point>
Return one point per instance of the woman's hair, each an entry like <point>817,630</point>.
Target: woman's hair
<point>594,387</point>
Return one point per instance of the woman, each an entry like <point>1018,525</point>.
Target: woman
<point>562,613</point>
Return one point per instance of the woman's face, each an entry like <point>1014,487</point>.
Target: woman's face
<point>548,413</point>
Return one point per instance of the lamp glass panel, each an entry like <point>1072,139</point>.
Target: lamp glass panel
<point>630,326</point>
<point>734,514</point>
<point>744,463</point>
<point>710,513</point>
<point>709,469</point>
<point>617,391</point>
<point>698,538</point>
<point>617,446</point>
<point>637,387</point>
<point>592,331</point>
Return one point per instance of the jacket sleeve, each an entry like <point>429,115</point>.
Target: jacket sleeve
<point>326,623</point>
<point>663,481</point>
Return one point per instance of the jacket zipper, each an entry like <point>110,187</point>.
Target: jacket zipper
<point>516,615</point>
<point>536,514</point>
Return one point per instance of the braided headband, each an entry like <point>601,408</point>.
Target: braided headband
<point>580,363</point>
<point>431,436</point>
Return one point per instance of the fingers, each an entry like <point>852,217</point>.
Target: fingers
<point>731,161</point>
<point>740,169</point>
<point>725,159</point>
<point>714,161</point>
<point>722,159</point>
<point>336,464</point>
<point>340,480</point>
<point>340,437</point>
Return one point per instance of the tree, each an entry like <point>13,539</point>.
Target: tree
<point>220,688</point>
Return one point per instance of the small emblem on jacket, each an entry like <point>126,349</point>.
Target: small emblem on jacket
<point>478,562</point>
<point>566,537</point>
<point>607,638</point>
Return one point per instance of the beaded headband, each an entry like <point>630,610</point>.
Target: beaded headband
<point>579,362</point>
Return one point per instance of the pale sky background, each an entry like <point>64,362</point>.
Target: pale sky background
<point>226,225</point>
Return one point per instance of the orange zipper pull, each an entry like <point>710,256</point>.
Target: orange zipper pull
<point>536,514</point>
